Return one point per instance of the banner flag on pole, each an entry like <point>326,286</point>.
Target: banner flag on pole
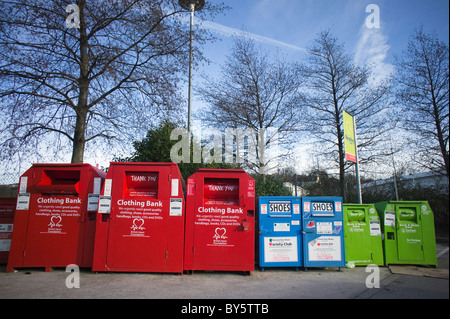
<point>349,137</point>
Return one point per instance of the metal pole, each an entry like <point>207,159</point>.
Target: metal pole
<point>191,6</point>
<point>358,179</point>
<point>192,9</point>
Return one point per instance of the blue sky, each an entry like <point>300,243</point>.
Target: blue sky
<point>290,26</point>
<point>296,22</point>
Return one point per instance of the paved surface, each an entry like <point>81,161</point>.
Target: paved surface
<point>270,284</point>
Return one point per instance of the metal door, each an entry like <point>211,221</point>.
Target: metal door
<point>322,229</point>
<point>357,235</point>
<point>139,221</point>
<point>409,233</point>
<point>223,232</point>
<point>54,233</point>
<point>280,232</point>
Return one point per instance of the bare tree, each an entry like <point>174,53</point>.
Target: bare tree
<point>423,98</point>
<point>336,84</point>
<point>255,92</point>
<point>106,79</point>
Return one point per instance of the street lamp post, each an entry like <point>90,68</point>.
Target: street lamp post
<point>191,5</point>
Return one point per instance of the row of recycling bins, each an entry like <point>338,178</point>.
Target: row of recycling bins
<point>143,217</point>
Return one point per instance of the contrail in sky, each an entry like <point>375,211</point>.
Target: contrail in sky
<point>228,32</point>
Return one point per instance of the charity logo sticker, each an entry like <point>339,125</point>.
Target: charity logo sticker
<point>137,229</point>
<point>55,221</point>
<point>138,224</point>
<point>54,226</point>
<point>220,238</point>
<point>220,233</point>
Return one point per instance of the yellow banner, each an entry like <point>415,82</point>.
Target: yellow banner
<point>349,137</point>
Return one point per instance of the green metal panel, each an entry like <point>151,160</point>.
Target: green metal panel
<point>362,231</point>
<point>409,234</point>
<point>408,229</point>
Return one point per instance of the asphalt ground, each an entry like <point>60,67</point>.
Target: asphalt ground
<point>272,284</point>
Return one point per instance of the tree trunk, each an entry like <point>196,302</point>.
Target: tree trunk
<point>79,139</point>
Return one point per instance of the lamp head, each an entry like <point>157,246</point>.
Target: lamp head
<point>186,4</point>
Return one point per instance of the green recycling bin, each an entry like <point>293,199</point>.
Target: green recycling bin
<point>362,234</point>
<point>408,229</point>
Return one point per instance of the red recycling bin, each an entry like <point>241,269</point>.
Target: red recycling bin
<point>54,224</point>
<point>140,225</point>
<point>7,210</point>
<point>220,221</point>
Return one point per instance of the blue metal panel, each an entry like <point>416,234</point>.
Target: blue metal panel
<point>280,240</point>
<point>323,232</point>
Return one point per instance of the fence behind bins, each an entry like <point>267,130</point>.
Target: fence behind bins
<point>8,186</point>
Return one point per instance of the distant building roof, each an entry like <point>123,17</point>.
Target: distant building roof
<point>435,180</point>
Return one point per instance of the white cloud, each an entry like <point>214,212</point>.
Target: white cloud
<point>229,32</point>
<point>372,50</point>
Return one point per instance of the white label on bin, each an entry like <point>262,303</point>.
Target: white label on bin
<point>389,218</point>
<point>104,205</point>
<point>92,202</point>
<point>280,207</point>
<point>280,249</point>
<point>6,228</point>
<point>97,185</point>
<point>174,191</point>
<point>108,187</point>
<point>375,229</point>
<point>23,185</point>
<point>176,207</point>
<point>322,207</point>
<point>325,228</point>
<point>5,244</point>
<point>325,248</point>
<point>23,201</point>
<point>296,209</point>
<point>281,227</point>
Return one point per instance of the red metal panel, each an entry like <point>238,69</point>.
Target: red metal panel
<point>7,210</point>
<point>220,223</point>
<point>54,224</point>
<point>144,229</point>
